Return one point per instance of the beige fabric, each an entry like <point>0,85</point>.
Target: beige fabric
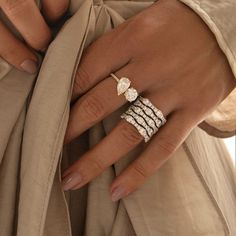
<point>192,194</point>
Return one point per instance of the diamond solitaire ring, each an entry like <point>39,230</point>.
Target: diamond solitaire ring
<point>145,117</point>
<point>123,87</point>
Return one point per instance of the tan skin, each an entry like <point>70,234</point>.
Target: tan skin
<point>31,24</point>
<point>173,59</point>
<point>169,54</point>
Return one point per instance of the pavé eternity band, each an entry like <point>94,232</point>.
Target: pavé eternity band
<point>124,87</point>
<point>145,117</point>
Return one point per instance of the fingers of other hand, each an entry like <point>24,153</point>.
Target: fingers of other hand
<point>26,17</point>
<point>53,10</point>
<point>16,53</point>
<point>123,138</point>
<point>159,150</point>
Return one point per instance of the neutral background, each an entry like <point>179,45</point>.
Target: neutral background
<point>231,144</point>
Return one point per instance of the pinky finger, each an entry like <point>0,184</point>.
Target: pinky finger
<point>160,149</point>
<point>16,53</point>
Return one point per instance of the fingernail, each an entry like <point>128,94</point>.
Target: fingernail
<point>118,193</point>
<point>71,180</point>
<point>29,66</point>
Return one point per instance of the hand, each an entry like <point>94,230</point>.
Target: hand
<point>26,17</point>
<point>173,59</point>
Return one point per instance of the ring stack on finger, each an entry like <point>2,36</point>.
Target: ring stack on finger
<point>145,117</point>
<point>142,114</point>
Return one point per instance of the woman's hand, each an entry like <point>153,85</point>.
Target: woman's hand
<point>27,19</point>
<point>173,59</point>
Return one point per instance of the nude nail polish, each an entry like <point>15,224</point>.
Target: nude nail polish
<point>71,180</point>
<point>66,180</point>
<point>118,193</point>
<point>29,66</point>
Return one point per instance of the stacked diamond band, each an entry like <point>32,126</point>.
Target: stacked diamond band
<point>151,109</point>
<point>145,117</point>
<point>142,114</point>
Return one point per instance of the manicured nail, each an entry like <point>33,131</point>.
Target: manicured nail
<point>71,180</point>
<point>118,193</point>
<point>29,66</point>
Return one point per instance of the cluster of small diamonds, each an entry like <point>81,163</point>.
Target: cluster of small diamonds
<point>147,120</point>
<point>141,121</point>
<point>156,111</point>
<point>145,117</point>
<point>149,112</point>
<point>129,118</point>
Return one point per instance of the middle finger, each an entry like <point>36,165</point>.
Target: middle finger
<point>100,101</point>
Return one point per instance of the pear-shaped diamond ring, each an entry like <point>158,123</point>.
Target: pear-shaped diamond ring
<point>124,87</point>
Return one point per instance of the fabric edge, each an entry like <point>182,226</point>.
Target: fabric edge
<point>207,189</point>
<point>213,131</point>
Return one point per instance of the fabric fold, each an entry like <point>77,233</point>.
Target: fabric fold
<point>46,122</point>
<point>218,17</point>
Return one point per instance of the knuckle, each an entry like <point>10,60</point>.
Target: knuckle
<point>145,22</point>
<point>55,12</point>
<point>166,145</point>
<point>140,169</point>
<point>92,108</point>
<point>82,80</point>
<point>130,134</point>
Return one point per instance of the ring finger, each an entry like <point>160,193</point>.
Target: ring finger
<point>160,149</point>
<point>122,139</point>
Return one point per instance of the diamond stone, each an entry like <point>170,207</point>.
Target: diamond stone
<point>129,119</point>
<point>131,94</point>
<point>149,112</point>
<point>123,85</point>
<point>140,120</point>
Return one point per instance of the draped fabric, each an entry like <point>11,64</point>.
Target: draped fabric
<point>192,194</point>
<point>218,16</point>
